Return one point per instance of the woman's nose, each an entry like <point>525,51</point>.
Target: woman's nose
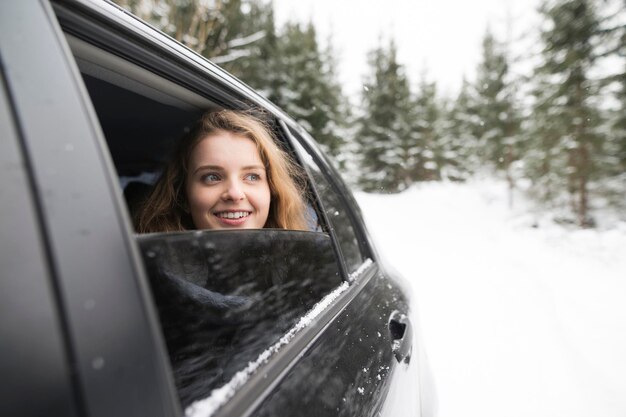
<point>233,191</point>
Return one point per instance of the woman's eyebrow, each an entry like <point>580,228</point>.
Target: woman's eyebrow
<point>208,167</point>
<point>249,167</point>
<point>219,168</point>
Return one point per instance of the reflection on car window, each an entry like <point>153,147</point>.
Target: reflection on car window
<point>336,212</point>
<point>223,297</point>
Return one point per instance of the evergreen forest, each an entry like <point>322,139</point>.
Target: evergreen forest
<point>558,132</point>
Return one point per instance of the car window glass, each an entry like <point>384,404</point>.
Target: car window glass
<point>224,297</point>
<point>336,212</point>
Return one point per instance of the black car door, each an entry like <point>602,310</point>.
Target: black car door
<point>85,312</point>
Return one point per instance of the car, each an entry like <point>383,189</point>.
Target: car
<point>97,320</point>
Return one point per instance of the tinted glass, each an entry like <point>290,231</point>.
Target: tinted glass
<point>336,212</point>
<point>224,297</point>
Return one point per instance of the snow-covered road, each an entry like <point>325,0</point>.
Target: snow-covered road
<point>516,321</point>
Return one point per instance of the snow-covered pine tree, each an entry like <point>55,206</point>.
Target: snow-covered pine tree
<point>544,160</point>
<point>499,119</point>
<point>458,142</point>
<point>424,150</point>
<point>340,130</point>
<point>198,25</point>
<point>259,66</point>
<point>238,35</point>
<point>307,89</point>
<point>565,122</point>
<point>612,57</point>
<point>610,181</point>
<point>619,129</point>
<point>385,129</point>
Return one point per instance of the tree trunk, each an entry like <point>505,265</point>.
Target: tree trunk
<point>583,198</point>
<point>508,160</point>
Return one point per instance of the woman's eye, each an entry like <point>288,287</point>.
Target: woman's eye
<point>210,178</point>
<point>253,177</point>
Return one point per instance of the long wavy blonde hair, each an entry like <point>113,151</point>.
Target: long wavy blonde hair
<point>165,209</point>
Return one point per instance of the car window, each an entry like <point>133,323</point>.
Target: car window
<point>223,297</point>
<point>335,210</point>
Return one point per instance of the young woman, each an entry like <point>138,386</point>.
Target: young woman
<point>226,173</point>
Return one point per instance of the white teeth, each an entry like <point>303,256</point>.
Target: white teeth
<point>233,215</point>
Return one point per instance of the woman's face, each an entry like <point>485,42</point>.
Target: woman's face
<point>226,184</point>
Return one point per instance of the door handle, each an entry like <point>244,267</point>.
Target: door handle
<point>401,336</point>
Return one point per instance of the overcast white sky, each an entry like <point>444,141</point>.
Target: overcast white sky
<point>443,36</point>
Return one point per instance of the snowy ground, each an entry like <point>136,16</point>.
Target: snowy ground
<point>516,320</point>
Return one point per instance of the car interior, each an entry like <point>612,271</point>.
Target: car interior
<point>141,114</point>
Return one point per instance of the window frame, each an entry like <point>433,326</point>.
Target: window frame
<point>140,44</point>
<point>108,27</point>
<point>296,133</point>
<point>37,358</point>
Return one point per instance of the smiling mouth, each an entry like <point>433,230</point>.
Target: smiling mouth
<point>232,214</point>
